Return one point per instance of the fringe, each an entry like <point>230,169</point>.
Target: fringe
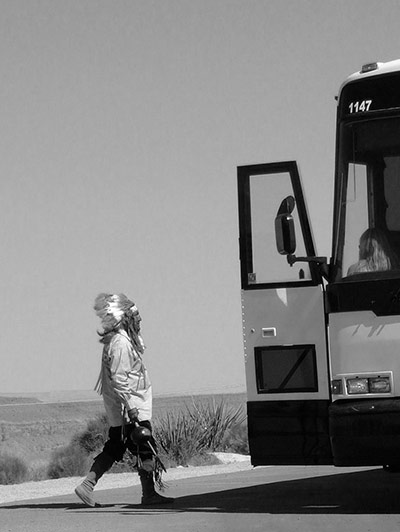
<point>99,384</point>
<point>159,468</point>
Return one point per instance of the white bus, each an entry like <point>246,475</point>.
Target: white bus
<point>322,337</point>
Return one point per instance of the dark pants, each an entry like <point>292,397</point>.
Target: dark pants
<point>119,441</point>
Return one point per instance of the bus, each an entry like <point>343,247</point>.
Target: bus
<point>322,335</point>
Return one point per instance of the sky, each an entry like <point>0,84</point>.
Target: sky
<point>122,126</point>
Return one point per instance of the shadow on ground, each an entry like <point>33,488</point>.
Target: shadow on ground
<point>365,492</point>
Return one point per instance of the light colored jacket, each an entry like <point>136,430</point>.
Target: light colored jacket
<point>125,381</point>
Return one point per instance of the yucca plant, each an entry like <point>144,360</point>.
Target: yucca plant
<point>198,430</point>
<point>215,419</point>
<point>178,437</point>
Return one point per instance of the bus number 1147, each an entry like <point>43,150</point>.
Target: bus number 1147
<point>360,107</point>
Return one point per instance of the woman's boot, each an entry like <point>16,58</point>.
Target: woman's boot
<point>84,491</point>
<point>149,494</point>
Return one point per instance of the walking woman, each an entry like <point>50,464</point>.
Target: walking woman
<point>125,386</point>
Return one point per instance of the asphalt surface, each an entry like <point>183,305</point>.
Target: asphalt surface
<point>272,499</point>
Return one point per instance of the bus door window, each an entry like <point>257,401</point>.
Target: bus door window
<point>266,193</point>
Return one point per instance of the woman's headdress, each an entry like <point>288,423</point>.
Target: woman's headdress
<point>110,308</point>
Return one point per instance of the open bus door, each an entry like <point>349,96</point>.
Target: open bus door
<point>284,328</point>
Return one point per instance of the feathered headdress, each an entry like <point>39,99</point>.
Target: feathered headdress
<point>110,308</point>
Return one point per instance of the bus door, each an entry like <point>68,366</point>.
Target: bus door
<point>284,327</point>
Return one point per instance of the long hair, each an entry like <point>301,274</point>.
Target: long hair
<point>375,250</point>
<point>132,329</point>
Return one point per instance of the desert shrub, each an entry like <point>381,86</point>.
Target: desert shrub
<point>69,461</point>
<point>198,430</point>
<point>38,471</point>
<point>178,437</point>
<point>94,436</point>
<point>74,459</point>
<point>236,439</point>
<point>13,469</point>
<point>215,420</point>
<point>126,465</point>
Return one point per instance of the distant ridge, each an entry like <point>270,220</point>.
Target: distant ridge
<point>11,400</point>
<point>71,396</point>
<point>224,390</point>
<point>62,396</point>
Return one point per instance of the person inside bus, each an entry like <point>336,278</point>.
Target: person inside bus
<point>375,253</point>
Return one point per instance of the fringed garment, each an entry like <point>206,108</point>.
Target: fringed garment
<point>123,381</point>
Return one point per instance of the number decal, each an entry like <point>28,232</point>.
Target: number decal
<point>360,107</point>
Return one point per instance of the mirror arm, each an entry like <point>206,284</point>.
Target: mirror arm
<point>321,261</point>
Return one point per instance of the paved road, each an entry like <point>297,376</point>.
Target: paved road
<point>268,499</point>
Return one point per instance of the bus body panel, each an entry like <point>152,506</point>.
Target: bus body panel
<point>363,344</point>
<point>381,68</point>
<point>286,427</point>
<point>284,317</point>
<point>364,429</point>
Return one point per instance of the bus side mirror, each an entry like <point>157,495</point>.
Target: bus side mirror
<point>285,237</point>
<point>285,234</point>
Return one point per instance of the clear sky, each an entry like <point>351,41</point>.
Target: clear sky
<point>122,124</point>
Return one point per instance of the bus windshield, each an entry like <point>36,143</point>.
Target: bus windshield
<point>367,240</point>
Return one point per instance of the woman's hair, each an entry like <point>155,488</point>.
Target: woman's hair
<point>129,324</point>
<point>375,250</point>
